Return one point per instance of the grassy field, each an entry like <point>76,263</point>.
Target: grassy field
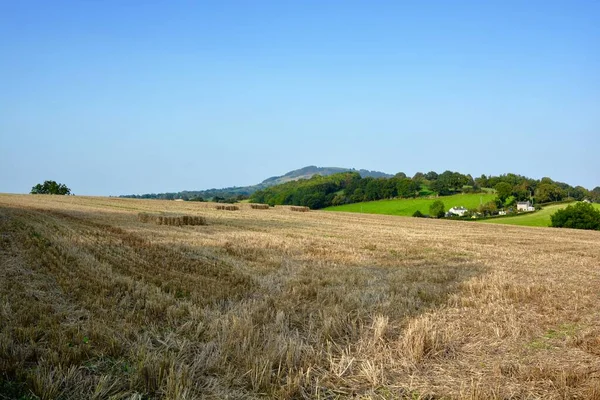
<point>95,303</point>
<point>538,218</point>
<point>407,207</point>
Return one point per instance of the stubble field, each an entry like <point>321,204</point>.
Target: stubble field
<point>95,303</point>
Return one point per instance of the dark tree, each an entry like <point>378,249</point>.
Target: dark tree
<point>50,187</point>
<point>407,188</point>
<point>578,216</point>
<point>431,176</point>
<point>503,190</point>
<point>547,192</point>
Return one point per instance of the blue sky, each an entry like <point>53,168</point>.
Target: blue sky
<point>122,97</point>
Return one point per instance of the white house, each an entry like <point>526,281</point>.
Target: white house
<point>460,211</point>
<point>525,206</point>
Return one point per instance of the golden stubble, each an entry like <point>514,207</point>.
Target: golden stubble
<point>267,302</point>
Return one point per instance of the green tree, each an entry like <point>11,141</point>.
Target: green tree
<point>510,201</point>
<point>407,188</point>
<point>578,216</point>
<point>489,208</point>
<point>431,176</point>
<point>50,187</point>
<point>595,194</point>
<point>440,187</point>
<point>437,209</point>
<point>503,190</point>
<point>546,192</point>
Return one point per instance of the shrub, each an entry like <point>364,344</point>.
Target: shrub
<point>578,216</point>
<point>419,214</point>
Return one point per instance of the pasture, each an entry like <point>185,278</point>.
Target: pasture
<point>538,218</point>
<point>95,303</point>
<point>407,207</point>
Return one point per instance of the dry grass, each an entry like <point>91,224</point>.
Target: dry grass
<point>95,303</point>
<point>174,220</point>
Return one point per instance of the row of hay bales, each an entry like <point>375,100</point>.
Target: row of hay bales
<point>260,206</point>
<point>174,220</point>
<point>227,207</point>
<point>299,208</point>
<point>257,206</point>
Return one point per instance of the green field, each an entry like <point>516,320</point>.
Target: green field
<point>538,218</point>
<point>407,207</point>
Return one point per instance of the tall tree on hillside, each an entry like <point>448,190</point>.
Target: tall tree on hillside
<point>595,194</point>
<point>407,188</point>
<point>503,190</point>
<point>547,192</point>
<point>431,176</point>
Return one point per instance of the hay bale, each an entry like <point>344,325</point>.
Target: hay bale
<point>172,220</point>
<point>299,208</point>
<point>227,207</point>
<point>260,206</point>
<point>143,217</point>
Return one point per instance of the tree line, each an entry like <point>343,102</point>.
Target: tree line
<point>348,187</point>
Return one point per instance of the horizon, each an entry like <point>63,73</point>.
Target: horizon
<point>114,99</point>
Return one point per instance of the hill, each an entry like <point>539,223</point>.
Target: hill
<point>406,207</point>
<point>276,304</point>
<point>311,170</point>
<point>234,191</point>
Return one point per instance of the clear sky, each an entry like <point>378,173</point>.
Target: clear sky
<point>124,97</point>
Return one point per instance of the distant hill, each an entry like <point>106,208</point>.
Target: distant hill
<point>311,170</point>
<point>232,192</point>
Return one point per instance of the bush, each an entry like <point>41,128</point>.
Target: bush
<point>578,216</point>
<point>419,214</point>
<point>437,209</point>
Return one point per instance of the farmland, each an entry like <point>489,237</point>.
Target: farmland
<point>406,207</point>
<point>96,302</point>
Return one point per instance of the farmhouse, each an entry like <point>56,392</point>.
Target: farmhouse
<point>525,206</point>
<point>459,211</point>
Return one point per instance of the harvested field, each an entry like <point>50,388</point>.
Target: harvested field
<point>95,303</point>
